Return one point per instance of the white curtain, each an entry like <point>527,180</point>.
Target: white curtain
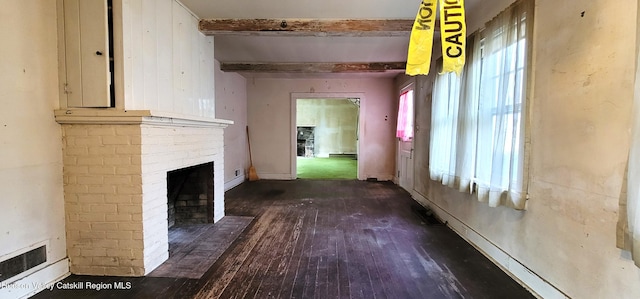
<point>629,223</point>
<point>444,128</point>
<point>453,125</point>
<point>478,128</point>
<point>632,233</point>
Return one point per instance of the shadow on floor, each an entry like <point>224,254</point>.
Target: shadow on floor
<point>327,239</point>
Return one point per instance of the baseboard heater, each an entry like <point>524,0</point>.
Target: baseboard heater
<point>352,156</point>
<point>23,262</point>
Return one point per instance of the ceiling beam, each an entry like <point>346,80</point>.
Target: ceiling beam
<point>313,67</point>
<point>307,27</point>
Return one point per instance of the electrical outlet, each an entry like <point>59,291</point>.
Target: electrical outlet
<point>237,172</point>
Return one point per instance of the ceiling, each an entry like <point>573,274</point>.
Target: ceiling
<point>274,48</point>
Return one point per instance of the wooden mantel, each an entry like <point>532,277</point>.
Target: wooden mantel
<point>307,27</point>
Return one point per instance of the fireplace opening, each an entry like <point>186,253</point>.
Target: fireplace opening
<point>190,195</point>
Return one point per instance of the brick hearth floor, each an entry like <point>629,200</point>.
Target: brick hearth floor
<point>194,248</point>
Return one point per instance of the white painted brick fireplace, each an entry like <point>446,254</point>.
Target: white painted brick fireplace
<point>115,183</point>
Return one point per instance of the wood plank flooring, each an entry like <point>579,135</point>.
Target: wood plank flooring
<point>328,239</point>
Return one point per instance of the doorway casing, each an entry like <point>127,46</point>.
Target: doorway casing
<point>325,95</point>
<point>404,150</point>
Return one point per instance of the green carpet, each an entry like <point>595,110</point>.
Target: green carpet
<point>327,168</point>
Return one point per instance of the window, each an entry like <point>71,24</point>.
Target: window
<point>404,129</point>
<point>477,126</point>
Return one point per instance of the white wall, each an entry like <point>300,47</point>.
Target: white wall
<point>231,104</point>
<point>168,63</point>
<point>335,122</point>
<point>269,116</point>
<point>582,93</point>
<point>30,140</point>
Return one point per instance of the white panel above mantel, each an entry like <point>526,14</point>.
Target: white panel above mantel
<point>167,64</point>
<point>114,116</point>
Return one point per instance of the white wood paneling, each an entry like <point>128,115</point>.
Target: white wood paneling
<point>191,63</point>
<point>150,58</point>
<point>179,49</point>
<point>73,52</point>
<point>126,57</point>
<point>169,63</point>
<point>137,54</point>
<point>164,13</point>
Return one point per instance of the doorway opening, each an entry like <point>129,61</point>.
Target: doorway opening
<point>326,141</point>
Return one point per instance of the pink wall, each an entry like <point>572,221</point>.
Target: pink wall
<point>269,117</point>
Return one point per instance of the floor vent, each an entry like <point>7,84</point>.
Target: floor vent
<point>21,263</point>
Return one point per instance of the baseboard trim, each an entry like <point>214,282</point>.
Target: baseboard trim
<point>378,177</point>
<point>537,285</point>
<point>233,183</point>
<point>36,281</point>
<point>276,176</point>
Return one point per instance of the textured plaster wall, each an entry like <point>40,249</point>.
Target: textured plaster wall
<point>30,139</point>
<point>231,104</point>
<point>269,116</point>
<point>581,95</point>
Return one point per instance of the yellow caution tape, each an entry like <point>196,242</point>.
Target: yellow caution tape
<point>453,32</point>
<point>421,41</point>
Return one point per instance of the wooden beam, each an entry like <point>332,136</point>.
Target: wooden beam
<point>313,67</point>
<point>307,27</point>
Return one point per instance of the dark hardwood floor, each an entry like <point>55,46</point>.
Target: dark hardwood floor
<point>328,239</point>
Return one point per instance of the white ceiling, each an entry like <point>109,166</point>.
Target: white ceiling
<point>289,49</point>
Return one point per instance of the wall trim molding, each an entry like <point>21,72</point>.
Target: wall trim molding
<point>93,116</point>
<point>234,183</point>
<point>276,176</point>
<point>530,280</point>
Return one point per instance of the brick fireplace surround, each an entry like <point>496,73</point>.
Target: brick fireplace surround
<point>115,183</point>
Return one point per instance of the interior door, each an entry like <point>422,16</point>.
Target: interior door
<point>405,147</point>
<point>405,165</point>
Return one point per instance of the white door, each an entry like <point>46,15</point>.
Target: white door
<point>405,164</point>
<point>405,148</point>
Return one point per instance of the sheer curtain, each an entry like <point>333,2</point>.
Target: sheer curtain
<point>629,223</point>
<point>630,239</point>
<point>444,128</point>
<point>500,166</point>
<point>453,125</point>
<point>404,129</point>
<point>477,130</point>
